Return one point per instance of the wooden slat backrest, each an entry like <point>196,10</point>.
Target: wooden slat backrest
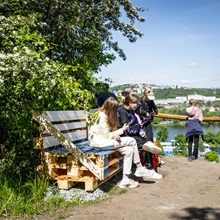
<point>71,123</point>
<point>69,126</point>
<point>55,116</point>
<point>50,141</point>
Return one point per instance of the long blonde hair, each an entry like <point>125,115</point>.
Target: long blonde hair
<point>110,108</point>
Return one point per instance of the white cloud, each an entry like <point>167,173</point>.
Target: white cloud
<point>191,65</point>
<point>185,81</point>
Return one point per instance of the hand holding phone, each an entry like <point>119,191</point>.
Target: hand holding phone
<point>125,126</point>
<point>152,113</point>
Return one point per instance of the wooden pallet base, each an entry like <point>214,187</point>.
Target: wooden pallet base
<point>91,182</point>
<point>64,182</point>
<point>68,171</point>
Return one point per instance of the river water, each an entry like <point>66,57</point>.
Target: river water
<point>175,130</point>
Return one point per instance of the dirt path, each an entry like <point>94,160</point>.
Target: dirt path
<point>189,190</point>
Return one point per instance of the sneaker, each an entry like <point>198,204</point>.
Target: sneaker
<point>191,158</point>
<point>162,162</point>
<point>152,148</point>
<point>141,173</point>
<point>153,175</point>
<point>130,184</point>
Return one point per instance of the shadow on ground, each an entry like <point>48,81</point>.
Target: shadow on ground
<point>193,213</point>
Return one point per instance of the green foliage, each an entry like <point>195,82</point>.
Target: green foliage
<point>22,199</point>
<point>80,29</point>
<point>50,51</point>
<point>181,145</point>
<point>172,93</point>
<point>211,138</point>
<point>212,157</point>
<point>162,133</point>
<point>218,136</point>
<point>31,81</point>
<point>216,104</point>
<point>165,93</point>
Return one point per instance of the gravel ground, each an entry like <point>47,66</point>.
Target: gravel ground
<point>78,193</point>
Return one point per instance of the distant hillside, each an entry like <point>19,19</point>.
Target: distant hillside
<point>168,92</point>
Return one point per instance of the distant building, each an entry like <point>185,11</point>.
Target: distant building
<point>202,98</point>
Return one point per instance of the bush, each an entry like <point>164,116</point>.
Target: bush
<point>212,156</point>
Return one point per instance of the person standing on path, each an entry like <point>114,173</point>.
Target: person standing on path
<point>194,129</point>
<point>104,132</point>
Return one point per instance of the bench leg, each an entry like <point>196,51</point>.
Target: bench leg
<point>65,184</point>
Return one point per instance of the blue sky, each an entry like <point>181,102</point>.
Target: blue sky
<point>180,46</point>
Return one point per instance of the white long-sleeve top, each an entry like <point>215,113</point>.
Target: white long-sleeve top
<point>194,113</point>
<point>100,134</point>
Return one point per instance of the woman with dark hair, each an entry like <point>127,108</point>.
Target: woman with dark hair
<point>104,133</point>
<point>194,129</point>
<point>126,114</point>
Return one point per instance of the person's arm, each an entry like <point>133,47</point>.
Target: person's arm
<point>200,115</point>
<point>141,111</point>
<point>125,118</point>
<point>155,109</point>
<point>104,129</point>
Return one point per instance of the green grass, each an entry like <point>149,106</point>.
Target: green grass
<point>28,200</point>
<point>16,199</point>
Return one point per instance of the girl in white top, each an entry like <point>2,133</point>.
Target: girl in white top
<point>104,133</point>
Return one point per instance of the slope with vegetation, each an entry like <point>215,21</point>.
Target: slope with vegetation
<point>50,54</point>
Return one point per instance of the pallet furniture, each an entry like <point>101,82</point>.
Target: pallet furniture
<point>66,154</point>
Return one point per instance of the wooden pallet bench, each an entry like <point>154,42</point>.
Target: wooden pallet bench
<point>66,154</point>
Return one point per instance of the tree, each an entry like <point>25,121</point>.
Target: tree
<point>50,51</point>
<point>162,133</point>
<point>216,104</point>
<point>31,81</point>
<point>181,145</point>
<point>80,30</point>
<point>211,138</point>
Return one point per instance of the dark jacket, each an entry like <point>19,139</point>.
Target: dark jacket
<point>146,107</point>
<point>128,116</point>
<point>102,97</point>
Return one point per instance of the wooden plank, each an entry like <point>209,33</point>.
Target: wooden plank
<point>51,141</point>
<point>91,183</point>
<point>69,126</point>
<point>55,116</point>
<point>65,184</point>
<point>184,117</point>
<point>38,143</point>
